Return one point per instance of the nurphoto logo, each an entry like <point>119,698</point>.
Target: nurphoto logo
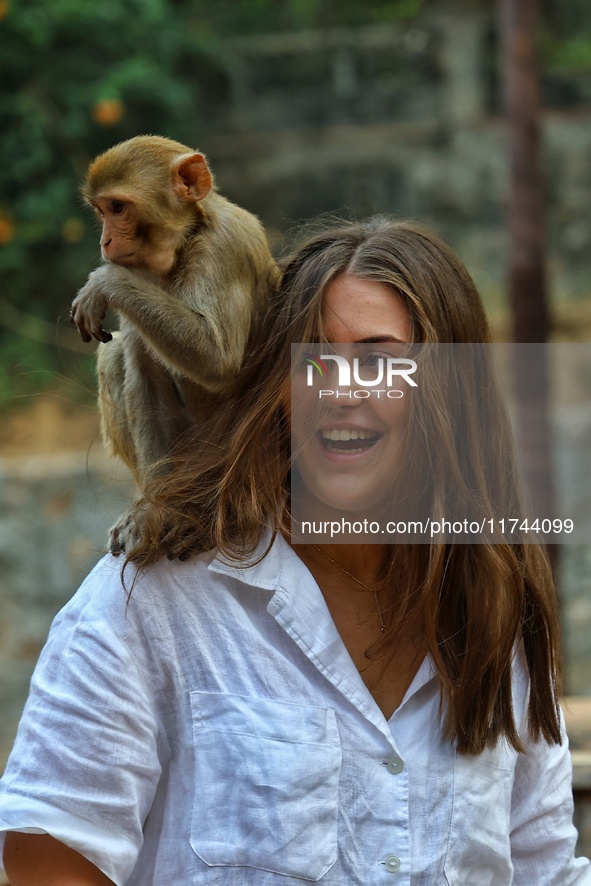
<point>386,371</point>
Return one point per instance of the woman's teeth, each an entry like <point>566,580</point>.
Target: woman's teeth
<point>349,440</point>
<point>347,434</point>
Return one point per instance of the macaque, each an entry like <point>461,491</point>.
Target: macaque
<point>189,274</point>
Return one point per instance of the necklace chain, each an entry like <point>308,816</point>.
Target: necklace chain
<point>358,581</point>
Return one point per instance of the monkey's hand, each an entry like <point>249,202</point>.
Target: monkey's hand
<point>89,308</point>
<point>178,542</point>
<point>126,532</point>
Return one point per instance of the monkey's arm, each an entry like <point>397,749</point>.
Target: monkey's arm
<point>197,336</point>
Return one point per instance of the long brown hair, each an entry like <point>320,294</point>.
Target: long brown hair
<point>478,604</point>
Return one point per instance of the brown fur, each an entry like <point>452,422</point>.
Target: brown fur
<point>189,274</point>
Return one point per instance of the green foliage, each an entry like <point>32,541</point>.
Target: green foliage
<point>76,78</point>
<point>230,17</point>
<point>571,55</point>
<point>566,38</point>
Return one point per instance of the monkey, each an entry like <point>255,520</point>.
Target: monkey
<point>188,274</point>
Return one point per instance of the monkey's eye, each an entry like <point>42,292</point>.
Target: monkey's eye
<point>117,207</point>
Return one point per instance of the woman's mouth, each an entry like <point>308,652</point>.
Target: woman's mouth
<point>351,441</point>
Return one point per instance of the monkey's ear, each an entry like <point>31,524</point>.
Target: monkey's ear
<point>191,178</point>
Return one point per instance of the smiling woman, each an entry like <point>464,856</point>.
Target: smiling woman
<point>347,453</point>
<point>270,712</point>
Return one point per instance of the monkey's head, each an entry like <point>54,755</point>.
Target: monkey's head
<point>146,192</point>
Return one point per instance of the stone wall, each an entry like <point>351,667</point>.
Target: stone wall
<point>398,119</point>
<point>54,515</point>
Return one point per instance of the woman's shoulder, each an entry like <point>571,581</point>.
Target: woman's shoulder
<point>116,597</point>
<point>113,577</point>
<point>127,597</point>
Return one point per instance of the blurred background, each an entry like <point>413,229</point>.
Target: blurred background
<point>303,107</point>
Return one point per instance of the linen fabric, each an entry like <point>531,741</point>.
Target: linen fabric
<point>213,729</point>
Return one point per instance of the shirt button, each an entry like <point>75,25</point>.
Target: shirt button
<point>394,765</point>
<point>392,864</point>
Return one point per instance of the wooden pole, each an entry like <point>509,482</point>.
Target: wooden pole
<point>526,222</point>
<point>530,316</point>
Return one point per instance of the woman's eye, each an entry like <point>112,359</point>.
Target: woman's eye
<point>371,359</point>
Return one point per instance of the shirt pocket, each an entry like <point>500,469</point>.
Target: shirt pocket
<point>266,784</point>
<point>479,849</point>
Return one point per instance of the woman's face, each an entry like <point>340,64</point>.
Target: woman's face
<point>348,449</point>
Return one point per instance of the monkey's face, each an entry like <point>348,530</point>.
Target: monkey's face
<point>129,241</point>
<point>146,192</point>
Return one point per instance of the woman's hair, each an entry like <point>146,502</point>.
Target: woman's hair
<point>475,603</point>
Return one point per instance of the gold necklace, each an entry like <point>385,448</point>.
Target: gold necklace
<point>359,582</point>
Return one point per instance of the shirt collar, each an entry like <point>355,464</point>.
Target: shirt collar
<point>258,570</point>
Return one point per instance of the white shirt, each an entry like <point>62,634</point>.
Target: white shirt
<point>216,731</point>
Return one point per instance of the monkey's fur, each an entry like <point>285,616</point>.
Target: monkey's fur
<point>188,274</point>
